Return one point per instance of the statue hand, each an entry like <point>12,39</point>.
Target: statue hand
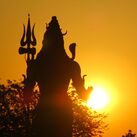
<point>87,93</point>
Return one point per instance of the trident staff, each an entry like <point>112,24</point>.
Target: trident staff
<point>28,41</point>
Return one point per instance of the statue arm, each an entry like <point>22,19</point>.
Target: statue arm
<point>31,73</point>
<point>78,82</point>
<point>29,82</point>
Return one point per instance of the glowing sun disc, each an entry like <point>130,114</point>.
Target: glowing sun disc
<point>98,99</point>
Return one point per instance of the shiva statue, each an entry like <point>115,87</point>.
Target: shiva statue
<point>53,70</point>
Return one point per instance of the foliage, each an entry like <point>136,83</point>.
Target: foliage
<point>16,117</point>
<point>129,134</point>
<point>86,122</point>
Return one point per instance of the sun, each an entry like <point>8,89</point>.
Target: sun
<point>98,99</point>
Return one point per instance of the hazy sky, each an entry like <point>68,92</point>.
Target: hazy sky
<point>106,35</point>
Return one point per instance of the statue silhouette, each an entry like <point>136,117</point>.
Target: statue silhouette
<point>52,70</point>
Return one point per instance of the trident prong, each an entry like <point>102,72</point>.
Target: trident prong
<point>33,37</point>
<point>28,41</point>
<point>23,37</point>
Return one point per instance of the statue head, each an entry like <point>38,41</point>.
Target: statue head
<point>53,37</point>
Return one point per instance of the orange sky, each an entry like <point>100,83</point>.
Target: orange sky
<point>106,35</point>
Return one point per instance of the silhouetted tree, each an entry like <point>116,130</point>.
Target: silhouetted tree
<point>16,118</point>
<point>129,134</point>
<point>86,122</point>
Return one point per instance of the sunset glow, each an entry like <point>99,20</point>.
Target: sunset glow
<point>105,32</point>
<point>98,99</point>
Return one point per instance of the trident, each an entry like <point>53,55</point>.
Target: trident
<point>30,40</point>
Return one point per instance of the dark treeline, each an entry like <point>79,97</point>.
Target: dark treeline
<point>16,118</point>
